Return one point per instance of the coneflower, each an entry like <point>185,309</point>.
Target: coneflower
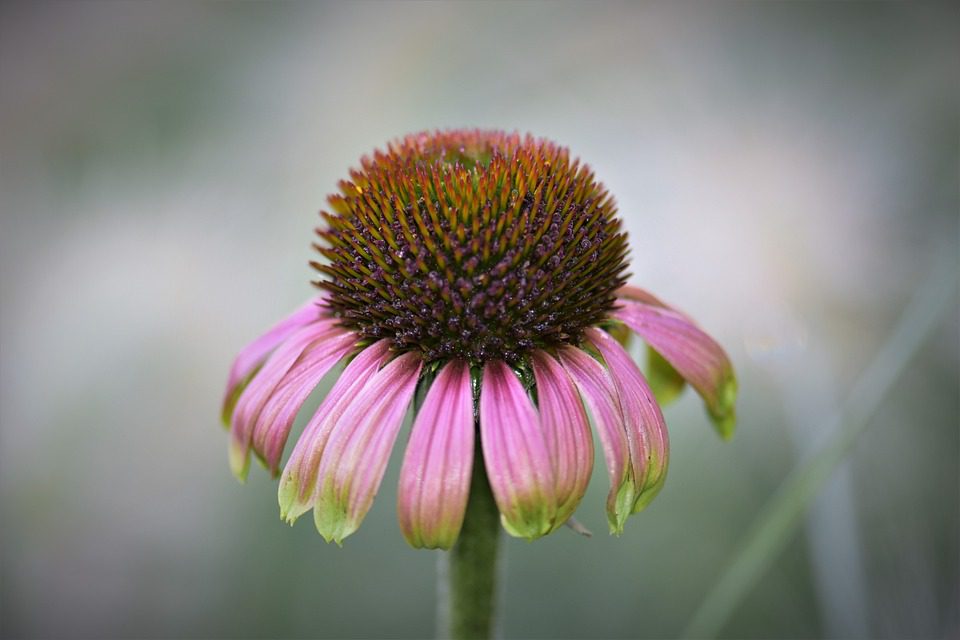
<point>480,277</point>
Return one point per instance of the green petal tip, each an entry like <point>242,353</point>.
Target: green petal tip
<point>723,412</point>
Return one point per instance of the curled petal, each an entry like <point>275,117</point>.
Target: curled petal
<point>435,477</point>
<point>689,350</point>
<point>253,355</point>
<point>278,414</point>
<point>515,454</point>
<point>319,335</point>
<point>644,423</point>
<point>355,458</point>
<point>566,430</point>
<point>298,481</point>
<point>597,389</point>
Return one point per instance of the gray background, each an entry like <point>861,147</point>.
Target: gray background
<point>787,172</point>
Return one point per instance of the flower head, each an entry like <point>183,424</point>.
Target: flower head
<point>483,273</point>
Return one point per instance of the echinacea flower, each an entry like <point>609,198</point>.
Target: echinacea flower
<point>483,274</point>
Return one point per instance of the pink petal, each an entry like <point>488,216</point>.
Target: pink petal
<point>278,414</point>
<point>689,350</point>
<point>666,383</point>
<point>601,397</point>
<point>644,423</point>
<point>435,478</point>
<point>515,454</point>
<point>356,455</point>
<point>300,473</point>
<point>253,355</point>
<point>261,387</point>
<point>566,430</point>
<point>629,292</point>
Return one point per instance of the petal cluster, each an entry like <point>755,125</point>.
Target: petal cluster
<point>476,277</point>
<point>532,424</point>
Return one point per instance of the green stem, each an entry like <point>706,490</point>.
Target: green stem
<point>473,562</point>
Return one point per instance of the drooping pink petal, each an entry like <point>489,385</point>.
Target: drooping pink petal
<point>299,477</point>
<point>355,458</point>
<point>263,384</point>
<point>694,354</point>
<point>515,454</point>
<point>630,292</point>
<point>278,414</point>
<point>253,355</point>
<point>566,430</point>
<point>435,477</point>
<point>597,389</point>
<point>642,417</point>
<point>666,383</point>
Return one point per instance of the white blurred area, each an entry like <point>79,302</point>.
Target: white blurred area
<point>787,173</point>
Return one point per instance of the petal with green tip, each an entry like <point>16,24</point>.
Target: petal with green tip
<point>278,414</point>
<point>515,454</point>
<point>435,477</point>
<point>694,354</point>
<point>299,478</point>
<point>318,335</point>
<point>566,430</point>
<point>598,392</point>
<point>646,430</point>
<point>355,457</point>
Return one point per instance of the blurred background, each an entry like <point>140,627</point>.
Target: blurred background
<point>788,174</point>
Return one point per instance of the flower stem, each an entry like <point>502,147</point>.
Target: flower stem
<point>473,562</point>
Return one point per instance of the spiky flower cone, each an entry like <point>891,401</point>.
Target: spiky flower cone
<point>486,270</point>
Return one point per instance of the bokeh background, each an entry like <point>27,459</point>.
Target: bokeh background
<point>788,173</point>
